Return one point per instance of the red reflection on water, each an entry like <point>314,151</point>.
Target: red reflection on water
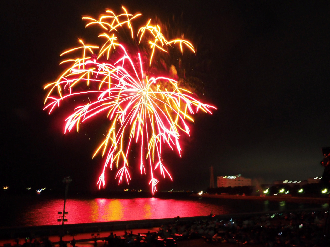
<point>103,210</point>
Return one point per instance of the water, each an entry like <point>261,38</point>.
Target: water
<point>34,211</point>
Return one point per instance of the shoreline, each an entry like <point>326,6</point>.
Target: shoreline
<point>314,200</point>
<point>7,233</point>
<point>84,228</point>
<point>98,236</point>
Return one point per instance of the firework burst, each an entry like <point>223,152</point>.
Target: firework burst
<point>142,107</point>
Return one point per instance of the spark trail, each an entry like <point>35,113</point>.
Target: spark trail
<point>143,108</point>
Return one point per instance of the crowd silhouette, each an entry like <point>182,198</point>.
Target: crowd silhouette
<point>272,229</point>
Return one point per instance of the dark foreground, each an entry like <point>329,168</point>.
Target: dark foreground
<point>274,229</point>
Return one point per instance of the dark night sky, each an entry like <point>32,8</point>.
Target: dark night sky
<point>267,72</point>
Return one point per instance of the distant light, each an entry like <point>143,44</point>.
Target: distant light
<point>125,189</point>
<point>324,191</point>
<point>301,190</point>
<point>28,188</point>
<point>39,191</point>
<point>266,191</point>
<point>287,192</point>
<point>5,187</point>
<point>200,193</point>
<point>281,191</point>
<point>285,181</point>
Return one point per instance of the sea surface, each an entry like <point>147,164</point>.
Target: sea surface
<point>36,211</point>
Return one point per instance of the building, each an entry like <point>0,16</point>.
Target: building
<point>289,182</point>
<point>233,181</point>
<point>300,183</point>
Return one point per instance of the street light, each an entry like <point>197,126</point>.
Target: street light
<point>66,181</point>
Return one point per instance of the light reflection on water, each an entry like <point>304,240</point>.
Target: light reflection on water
<point>45,212</point>
<point>103,210</point>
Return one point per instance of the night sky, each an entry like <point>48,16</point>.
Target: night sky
<point>264,64</point>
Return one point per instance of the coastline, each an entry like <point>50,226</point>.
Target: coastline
<point>286,198</point>
<point>223,227</point>
<point>85,229</point>
<point>136,225</point>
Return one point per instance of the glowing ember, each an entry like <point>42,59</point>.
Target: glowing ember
<point>123,83</point>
